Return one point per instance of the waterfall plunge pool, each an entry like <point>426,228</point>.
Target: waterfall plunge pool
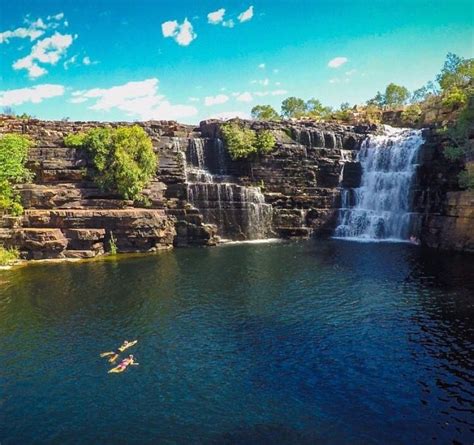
<point>282,343</point>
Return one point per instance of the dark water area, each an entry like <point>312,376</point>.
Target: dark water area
<point>320,342</point>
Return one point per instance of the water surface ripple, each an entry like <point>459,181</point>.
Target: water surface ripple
<point>316,342</point>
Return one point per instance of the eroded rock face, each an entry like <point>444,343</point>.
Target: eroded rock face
<point>67,216</point>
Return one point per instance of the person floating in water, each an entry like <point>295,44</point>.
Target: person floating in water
<point>414,240</point>
<point>124,364</point>
<point>115,354</point>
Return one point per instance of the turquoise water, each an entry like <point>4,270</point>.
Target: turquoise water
<point>326,342</point>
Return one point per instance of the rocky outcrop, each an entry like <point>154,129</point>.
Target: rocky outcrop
<point>452,228</point>
<point>67,216</point>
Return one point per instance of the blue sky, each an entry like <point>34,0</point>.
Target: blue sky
<point>190,60</point>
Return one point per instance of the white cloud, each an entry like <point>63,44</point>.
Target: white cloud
<point>78,100</point>
<point>183,34</point>
<point>226,115</point>
<point>351,72</point>
<point>334,80</point>
<point>47,51</point>
<point>261,66</point>
<point>245,97</point>
<point>276,71</point>
<point>193,99</point>
<point>34,30</point>
<point>57,17</point>
<point>138,99</point>
<point>267,93</point>
<point>34,94</point>
<point>337,62</point>
<point>169,28</point>
<point>86,60</point>
<point>70,61</point>
<point>228,23</point>
<point>246,15</point>
<point>216,17</point>
<point>215,100</point>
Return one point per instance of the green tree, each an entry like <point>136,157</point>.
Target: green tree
<point>293,107</point>
<point>13,156</point>
<point>242,142</point>
<point>457,72</point>
<point>395,95</point>
<point>123,158</point>
<point>316,110</point>
<point>264,113</point>
<point>377,101</point>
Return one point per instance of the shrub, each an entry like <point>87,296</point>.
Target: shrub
<point>243,142</point>
<point>112,244</point>
<point>123,158</point>
<point>453,153</point>
<point>466,179</point>
<point>74,140</point>
<point>8,256</point>
<point>454,97</point>
<point>265,141</point>
<point>13,157</point>
<point>411,115</point>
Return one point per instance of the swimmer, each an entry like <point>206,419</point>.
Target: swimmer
<point>124,364</point>
<point>115,354</point>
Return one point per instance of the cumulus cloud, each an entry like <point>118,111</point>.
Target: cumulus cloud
<point>34,94</point>
<point>337,62</point>
<point>246,15</point>
<point>216,17</point>
<point>215,100</point>
<point>137,99</point>
<point>268,93</point>
<point>34,30</point>
<point>183,34</point>
<point>244,97</point>
<point>47,51</point>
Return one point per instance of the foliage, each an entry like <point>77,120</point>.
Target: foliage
<point>316,110</point>
<point>74,140</point>
<point>264,113</point>
<point>394,96</point>
<point>453,153</point>
<point>241,142</point>
<point>8,256</point>
<point>293,107</point>
<point>265,141</point>
<point>123,158</point>
<point>112,244</point>
<point>423,93</point>
<point>13,157</point>
<point>411,114</point>
<point>466,179</point>
<point>454,98</point>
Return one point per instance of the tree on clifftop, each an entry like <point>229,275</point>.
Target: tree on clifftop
<point>293,107</point>
<point>264,113</point>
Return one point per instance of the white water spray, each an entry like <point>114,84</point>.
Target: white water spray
<point>380,208</point>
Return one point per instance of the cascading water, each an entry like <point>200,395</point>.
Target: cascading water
<point>380,208</point>
<point>236,210</point>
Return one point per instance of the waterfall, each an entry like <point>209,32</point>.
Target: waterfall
<point>380,208</point>
<point>237,211</point>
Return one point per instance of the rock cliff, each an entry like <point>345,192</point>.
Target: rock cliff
<point>200,195</point>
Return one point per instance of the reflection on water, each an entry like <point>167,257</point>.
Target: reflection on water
<point>312,342</point>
